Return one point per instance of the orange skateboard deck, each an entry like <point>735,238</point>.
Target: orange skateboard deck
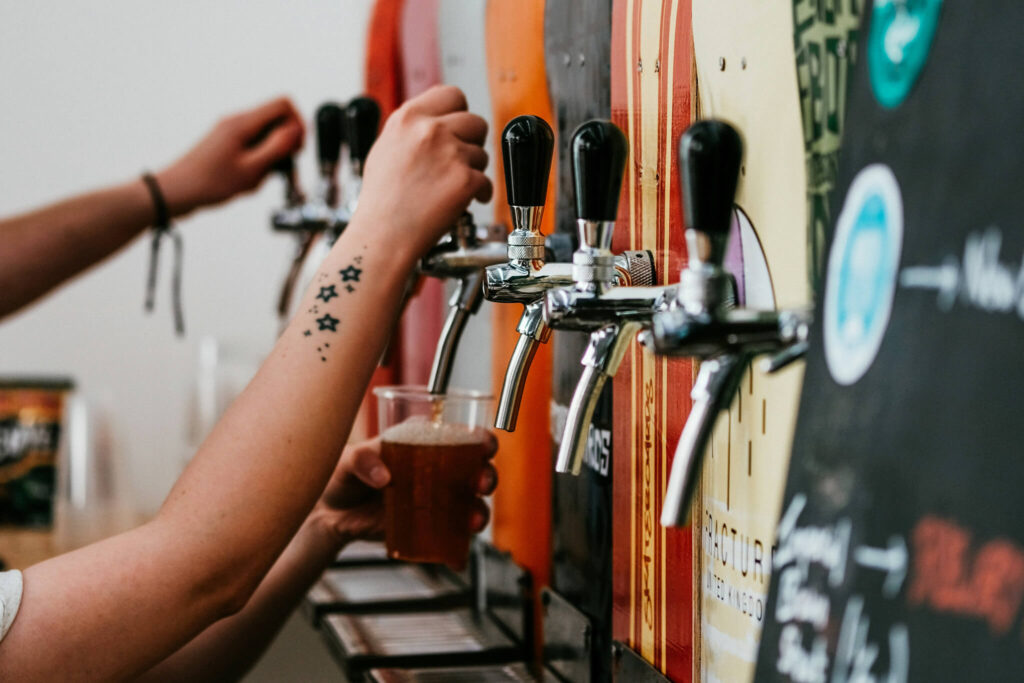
<point>652,101</point>
<point>521,513</point>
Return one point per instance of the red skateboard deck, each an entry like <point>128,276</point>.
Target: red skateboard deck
<point>652,101</point>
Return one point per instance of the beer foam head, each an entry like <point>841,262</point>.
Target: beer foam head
<point>422,431</point>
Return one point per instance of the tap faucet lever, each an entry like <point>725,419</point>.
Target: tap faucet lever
<point>330,135</point>
<point>717,381</point>
<point>362,120</point>
<point>709,153</point>
<point>526,146</point>
<point>599,151</point>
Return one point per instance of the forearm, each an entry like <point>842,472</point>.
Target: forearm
<point>242,498</point>
<point>229,648</point>
<point>41,249</point>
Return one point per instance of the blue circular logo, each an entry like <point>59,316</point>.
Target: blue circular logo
<point>862,268</point>
<point>898,46</point>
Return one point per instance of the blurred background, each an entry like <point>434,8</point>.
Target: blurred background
<point>95,93</point>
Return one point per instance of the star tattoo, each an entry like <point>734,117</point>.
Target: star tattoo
<point>306,333</point>
<point>358,260</point>
<point>327,293</point>
<point>328,322</point>
<point>350,288</point>
<point>350,273</point>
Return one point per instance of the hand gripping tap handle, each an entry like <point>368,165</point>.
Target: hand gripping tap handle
<point>709,154</point>
<point>362,119</point>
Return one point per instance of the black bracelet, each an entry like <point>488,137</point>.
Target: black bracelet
<point>162,226</point>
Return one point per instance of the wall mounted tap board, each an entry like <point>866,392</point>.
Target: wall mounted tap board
<point>900,544</point>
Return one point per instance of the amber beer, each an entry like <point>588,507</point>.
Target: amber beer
<point>434,466</point>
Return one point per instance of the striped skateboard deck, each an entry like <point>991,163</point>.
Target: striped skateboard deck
<point>652,100</point>
<point>744,56</point>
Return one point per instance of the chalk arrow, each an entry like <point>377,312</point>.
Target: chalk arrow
<point>891,560</point>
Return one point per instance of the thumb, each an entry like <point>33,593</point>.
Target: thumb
<point>281,142</point>
<point>368,466</point>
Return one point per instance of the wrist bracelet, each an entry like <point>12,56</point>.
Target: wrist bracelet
<point>162,226</point>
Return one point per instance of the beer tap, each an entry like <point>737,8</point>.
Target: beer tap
<point>703,321</point>
<point>527,144</point>
<point>462,255</point>
<point>612,314</point>
<point>362,120</point>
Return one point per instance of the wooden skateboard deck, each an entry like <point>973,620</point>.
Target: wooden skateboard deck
<point>744,55</point>
<point>577,41</point>
<point>461,35</point>
<point>425,312</point>
<point>651,68</point>
<point>825,38</point>
<point>901,548</point>
<point>383,82</point>
<point>521,513</point>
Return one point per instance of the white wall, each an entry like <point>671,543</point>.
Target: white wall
<point>94,93</point>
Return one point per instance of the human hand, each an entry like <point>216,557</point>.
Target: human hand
<point>423,170</point>
<point>352,506</point>
<point>233,157</point>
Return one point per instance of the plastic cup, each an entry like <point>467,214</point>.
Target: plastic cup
<point>435,447</point>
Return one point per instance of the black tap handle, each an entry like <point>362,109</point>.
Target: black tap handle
<point>330,133</point>
<point>709,155</point>
<point>599,151</point>
<point>526,146</point>
<point>362,118</point>
<point>284,166</point>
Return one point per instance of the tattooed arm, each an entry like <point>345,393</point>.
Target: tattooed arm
<point>41,249</point>
<point>116,608</point>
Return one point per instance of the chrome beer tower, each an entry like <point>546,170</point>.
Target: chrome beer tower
<point>462,255</point>
<point>702,321</point>
<point>350,129</point>
<point>527,144</point>
<point>592,303</point>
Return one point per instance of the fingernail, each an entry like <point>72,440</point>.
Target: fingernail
<point>379,475</point>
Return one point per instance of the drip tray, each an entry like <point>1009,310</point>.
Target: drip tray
<point>384,588</point>
<point>433,639</point>
<point>511,673</point>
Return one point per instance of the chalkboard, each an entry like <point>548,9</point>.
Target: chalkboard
<point>900,550</point>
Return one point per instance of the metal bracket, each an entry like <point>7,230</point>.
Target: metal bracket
<point>567,638</point>
<point>629,667</point>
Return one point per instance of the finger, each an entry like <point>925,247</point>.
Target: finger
<point>366,464</point>
<point>474,156</point>
<point>283,141</point>
<point>487,481</point>
<point>466,126</point>
<point>484,189</point>
<point>438,100</point>
<point>479,517</point>
<point>250,123</point>
<point>491,441</point>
